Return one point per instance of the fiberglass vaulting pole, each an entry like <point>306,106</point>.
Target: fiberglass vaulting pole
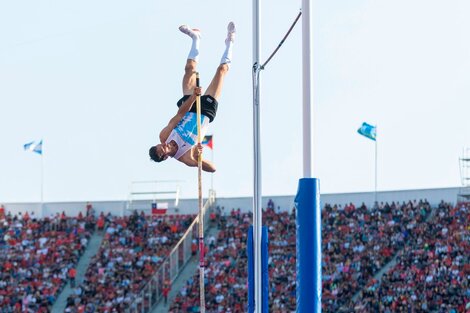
<point>202,298</point>
<point>257,210</point>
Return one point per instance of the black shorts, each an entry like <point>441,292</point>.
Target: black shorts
<point>208,106</point>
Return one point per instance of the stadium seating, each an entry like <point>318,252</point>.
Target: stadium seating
<point>226,264</point>
<point>357,242</point>
<point>133,248</point>
<point>431,274</point>
<point>35,256</point>
<point>430,251</point>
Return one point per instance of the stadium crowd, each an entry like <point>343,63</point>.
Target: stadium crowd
<point>431,273</point>
<point>225,270</point>
<point>132,249</point>
<point>357,242</point>
<point>427,252</point>
<point>35,258</point>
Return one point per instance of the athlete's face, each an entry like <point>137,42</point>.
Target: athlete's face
<point>162,150</point>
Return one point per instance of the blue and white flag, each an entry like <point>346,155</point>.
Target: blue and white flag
<point>34,146</point>
<point>368,131</point>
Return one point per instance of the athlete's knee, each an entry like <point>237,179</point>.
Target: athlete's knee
<point>223,68</point>
<point>189,71</point>
<point>190,67</point>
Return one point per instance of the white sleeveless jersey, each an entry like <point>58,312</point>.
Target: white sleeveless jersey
<point>185,133</point>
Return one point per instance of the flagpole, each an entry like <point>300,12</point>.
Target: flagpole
<point>375,189</point>
<point>212,174</point>
<point>370,131</point>
<point>42,185</point>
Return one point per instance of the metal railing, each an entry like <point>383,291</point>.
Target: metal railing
<point>172,266</point>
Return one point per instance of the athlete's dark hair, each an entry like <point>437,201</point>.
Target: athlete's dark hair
<point>153,154</point>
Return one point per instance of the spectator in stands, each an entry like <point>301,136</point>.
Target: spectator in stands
<point>72,274</point>
<point>194,247</point>
<point>213,218</point>
<point>101,221</point>
<point>166,290</point>
<point>90,211</point>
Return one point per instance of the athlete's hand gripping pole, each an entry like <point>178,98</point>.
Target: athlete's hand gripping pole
<point>201,208</point>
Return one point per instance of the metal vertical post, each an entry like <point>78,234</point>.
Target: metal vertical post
<point>308,219</point>
<point>307,56</point>
<point>257,210</point>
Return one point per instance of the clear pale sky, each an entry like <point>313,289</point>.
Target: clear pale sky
<point>97,80</point>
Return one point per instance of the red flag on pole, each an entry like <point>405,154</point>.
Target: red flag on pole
<point>208,141</point>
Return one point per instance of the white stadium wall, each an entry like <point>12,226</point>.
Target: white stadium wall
<point>190,206</point>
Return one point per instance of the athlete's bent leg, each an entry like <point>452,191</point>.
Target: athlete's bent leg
<point>189,79</point>
<point>215,87</point>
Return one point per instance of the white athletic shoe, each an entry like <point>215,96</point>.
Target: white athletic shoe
<point>230,32</point>
<point>193,33</point>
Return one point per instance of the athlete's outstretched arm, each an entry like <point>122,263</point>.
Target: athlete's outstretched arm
<point>206,165</point>
<point>190,159</point>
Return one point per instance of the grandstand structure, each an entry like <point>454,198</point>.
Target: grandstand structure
<point>189,206</point>
<point>152,190</point>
